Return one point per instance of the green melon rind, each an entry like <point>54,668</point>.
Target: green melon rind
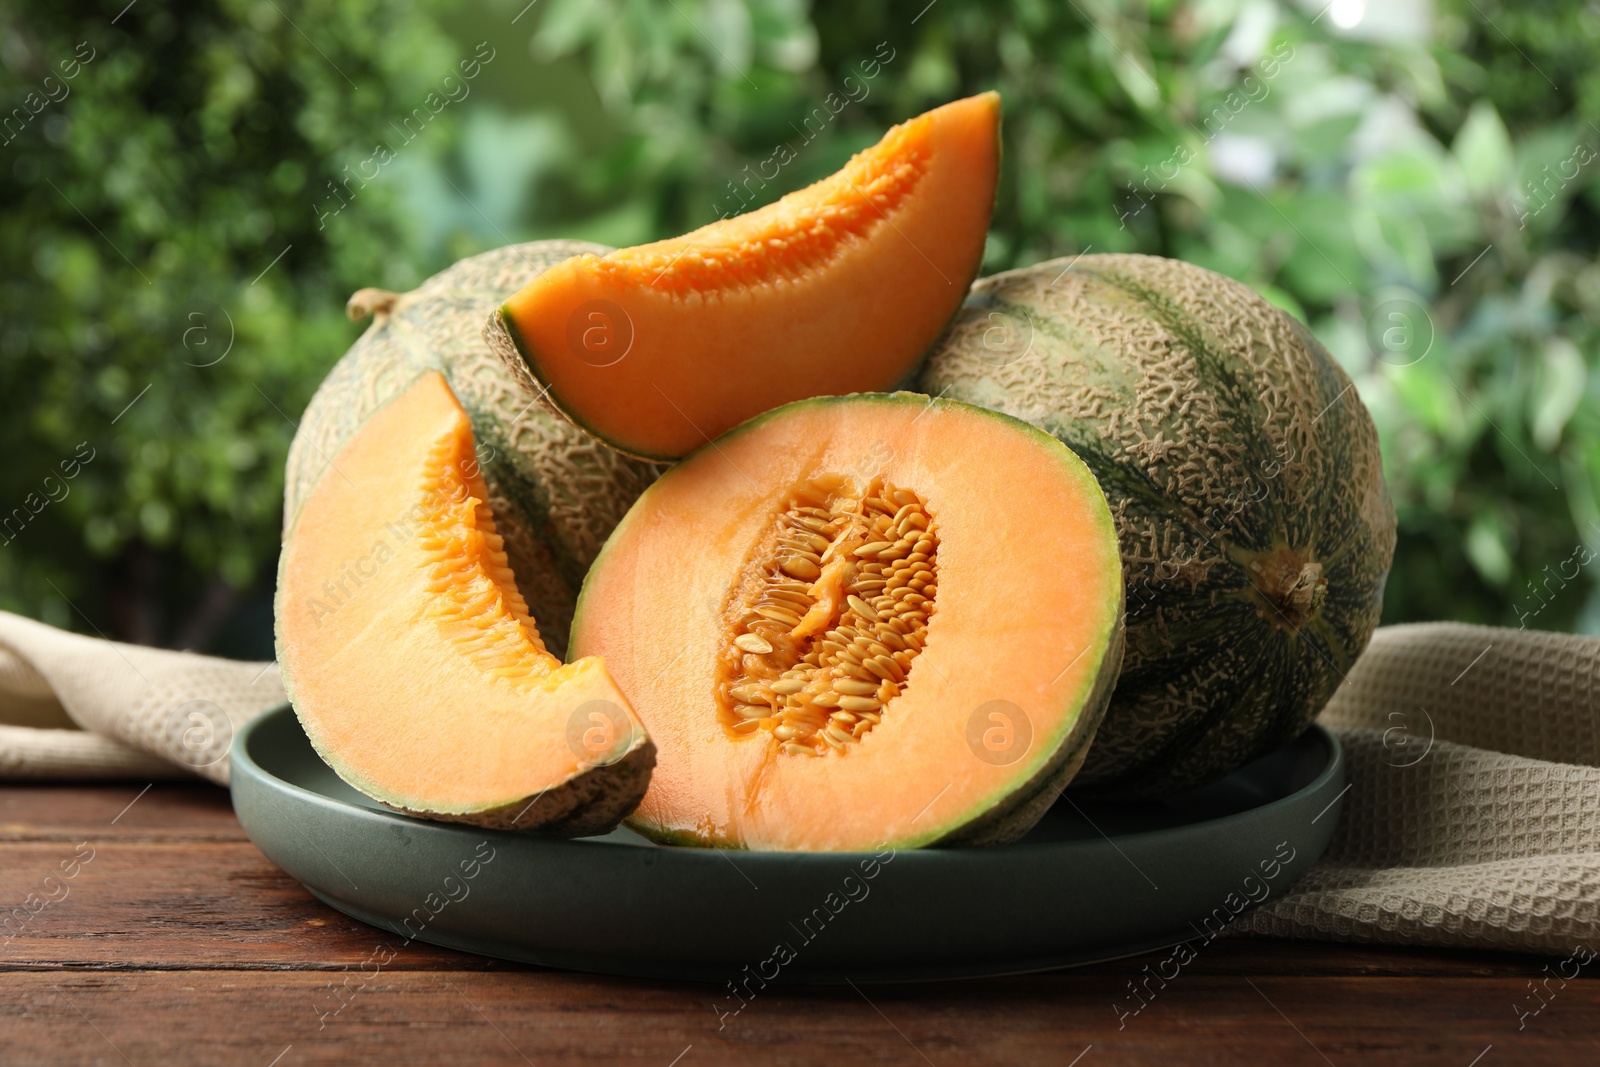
<point>1009,814</point>
<point>592,800</point>
<point>1176,720</point>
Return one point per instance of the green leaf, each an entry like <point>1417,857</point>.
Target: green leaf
<point>565,25</point>
<point>1486,547</point>
<point>1483,149</point>
<point>1557,392</point>
<point>728,34</point>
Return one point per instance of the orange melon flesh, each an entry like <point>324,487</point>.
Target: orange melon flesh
<point>839,287</point>
<point>1026,611</point>
<point>408,653</point>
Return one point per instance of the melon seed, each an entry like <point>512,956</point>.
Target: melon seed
<point>778,614</point>
<point>890,637</point>
<point>800,567</point>
<point>861,607</point>
<point>753,643</point>
<point>854,669</point>
<point>879,669</point>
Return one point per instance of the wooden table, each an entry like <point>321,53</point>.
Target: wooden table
<point>175,941</point>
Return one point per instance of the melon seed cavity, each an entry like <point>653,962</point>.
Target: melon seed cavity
<point>832,610</point>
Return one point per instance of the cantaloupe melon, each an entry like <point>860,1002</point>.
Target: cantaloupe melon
<point>555,491</point>
<point>410,656</point>
<point>1244,474</point>
<point>838,287</point>
<point>861,621</point>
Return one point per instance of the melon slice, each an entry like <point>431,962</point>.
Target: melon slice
<point>861,621</point>
<point>410,656</point>
<point>839,287</point>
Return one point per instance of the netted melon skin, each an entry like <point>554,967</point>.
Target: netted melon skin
<point>1242,470</point>
<point>556,492</point>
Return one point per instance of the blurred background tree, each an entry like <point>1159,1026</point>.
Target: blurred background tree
<point>1417,181</point>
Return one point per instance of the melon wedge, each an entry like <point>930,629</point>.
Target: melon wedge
<point>839,287</point>
<point>409,654</point>
<point>862,621</point>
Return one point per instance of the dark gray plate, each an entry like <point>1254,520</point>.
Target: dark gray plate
<point>1092,882</point>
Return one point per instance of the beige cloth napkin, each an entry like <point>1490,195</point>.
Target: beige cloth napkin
<point>80,707</point>
<point>1472,818</point>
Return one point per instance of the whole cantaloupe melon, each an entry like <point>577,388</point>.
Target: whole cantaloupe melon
<point>556,492</point>
<point>1243,471</point>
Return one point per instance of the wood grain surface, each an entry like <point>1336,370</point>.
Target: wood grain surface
<point>146,929</point>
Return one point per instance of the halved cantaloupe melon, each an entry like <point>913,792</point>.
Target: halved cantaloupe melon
<point>841,286</point>
<point>861,621</point>
<point>409,654</point>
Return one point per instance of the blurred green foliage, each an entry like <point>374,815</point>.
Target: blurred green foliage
<point>1416,181</point>
<point>144,310</point>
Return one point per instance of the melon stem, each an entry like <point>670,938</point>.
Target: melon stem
<point>364,303</point>
<point>1293,587</point>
